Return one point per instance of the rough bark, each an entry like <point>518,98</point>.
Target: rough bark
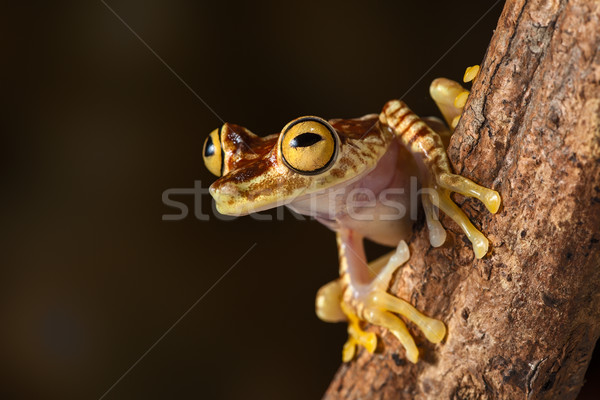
<point>523,321</point>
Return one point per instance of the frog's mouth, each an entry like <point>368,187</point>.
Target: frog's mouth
<point>233,201</point>
<point>230,201</point>
<point>259,186</point>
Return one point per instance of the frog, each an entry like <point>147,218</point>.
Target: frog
<point>357,177</point>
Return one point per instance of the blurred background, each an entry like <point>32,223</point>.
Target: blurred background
<point>95,128</point>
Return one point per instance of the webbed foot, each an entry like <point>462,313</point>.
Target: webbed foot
<point>373,304</point>
<point>330,307</point>
<point>356,336</point>
<point>450,98</point>
<point>445,184</point>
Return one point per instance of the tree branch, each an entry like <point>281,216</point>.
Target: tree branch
<point>523,321</point>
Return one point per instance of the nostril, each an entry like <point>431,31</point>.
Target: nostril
<point>220,189</point>
<point>212,190</point>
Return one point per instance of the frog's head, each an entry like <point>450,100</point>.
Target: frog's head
<point>309,155</point>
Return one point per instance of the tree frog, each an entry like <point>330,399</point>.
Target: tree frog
<point>354,176</point>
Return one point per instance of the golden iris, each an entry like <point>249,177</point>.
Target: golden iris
<point>212,153</point>
<point>309,145</point>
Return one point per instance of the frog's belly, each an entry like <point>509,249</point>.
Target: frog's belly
<point>387,218</point>
<point>385,215</point>
<point>387,233</point>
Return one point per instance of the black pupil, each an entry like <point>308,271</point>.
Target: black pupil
<point>305,139</point>
<point>209,149</point>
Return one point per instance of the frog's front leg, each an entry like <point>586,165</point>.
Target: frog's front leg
<point>361,293</point>
<point>439,181</point>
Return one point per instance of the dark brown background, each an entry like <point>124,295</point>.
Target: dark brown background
<point>95,128</point>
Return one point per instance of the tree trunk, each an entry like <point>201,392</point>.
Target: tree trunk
<point>523,321</point>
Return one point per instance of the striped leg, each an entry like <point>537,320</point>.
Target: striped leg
<point>423,142</point>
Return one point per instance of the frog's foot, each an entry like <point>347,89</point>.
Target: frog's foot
<point>331,308</point>
<point>377,307</point>
<point>356,336</point>
<point>447,183</point>
<point>327,302</point>
<point>451,97</point>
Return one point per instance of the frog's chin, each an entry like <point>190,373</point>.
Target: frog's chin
<point>237,205</point>
<point>239,210</point>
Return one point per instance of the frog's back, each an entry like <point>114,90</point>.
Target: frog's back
<point>356,128</point>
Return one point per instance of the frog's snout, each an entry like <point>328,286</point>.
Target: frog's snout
<point>225,196</point>
<point>231,199</point>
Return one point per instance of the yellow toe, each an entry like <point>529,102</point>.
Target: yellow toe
<point>461,99</point>
<point>480,246</point>
<point>412,355</point>
<point>369,341</point>
<point>471,73</point>
<point>349,350</point>
<point>492,201</point>
<point>455,121</point>
<point>436,331</point>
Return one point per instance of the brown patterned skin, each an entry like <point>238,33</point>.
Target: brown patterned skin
<point>374,163</point>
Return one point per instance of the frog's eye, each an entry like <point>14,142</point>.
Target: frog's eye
<point>309,145</point>
<point>212,153</point>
